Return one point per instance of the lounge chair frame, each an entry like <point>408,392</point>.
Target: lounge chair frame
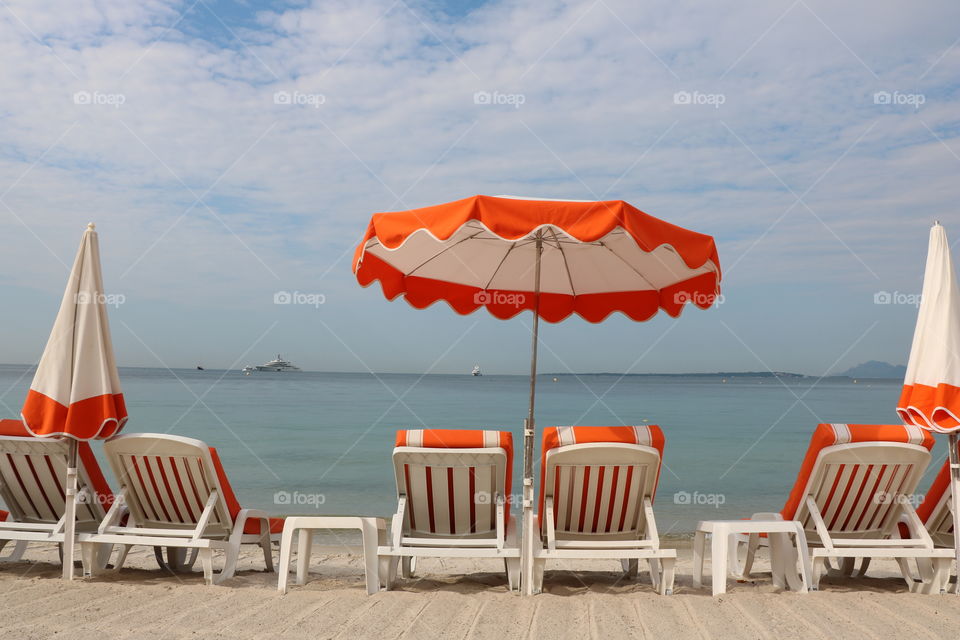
<point>407,542</point>
<point>637,539</point>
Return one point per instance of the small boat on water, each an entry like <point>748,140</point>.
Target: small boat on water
<point>199,368</point>
<point>476,370</point>
<point>277,364</point>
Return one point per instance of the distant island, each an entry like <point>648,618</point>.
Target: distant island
<point>872,369</point>
<point>876,369</point>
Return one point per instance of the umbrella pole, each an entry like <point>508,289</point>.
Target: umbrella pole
<point>955,502</point>
<point>529,528</point>
<point>70,510</point>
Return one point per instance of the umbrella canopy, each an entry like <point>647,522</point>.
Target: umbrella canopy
<point>597,258</point>
<point>76,390</point>
<point>931,387</point>
<point>552,257</point>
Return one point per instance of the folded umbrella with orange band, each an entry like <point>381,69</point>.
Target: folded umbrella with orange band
<point>75,393</point>
<point>931,387</point>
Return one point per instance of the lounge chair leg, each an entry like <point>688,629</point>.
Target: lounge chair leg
<point>513,573</point>
<point>206,561</point>
<point>630,567</point>
<point>666,582</point>
<point>229,564</point>
<point>87,553</point>
<point>752,545</point>
<point>845,568</point>
<point>267,551</point>
<point>539,565</point>
<point>655,573</point>
<point>407,567</point>
<point>388,571</point>
<point>864,563</point>
<point>818,569</point>
<point>121,557</point>
<point>910,576</point>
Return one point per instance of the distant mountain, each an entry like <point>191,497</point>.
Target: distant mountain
<point>876,369</point>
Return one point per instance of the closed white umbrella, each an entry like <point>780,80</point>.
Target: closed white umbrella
<point>931,387</point>
<point>75,392</point>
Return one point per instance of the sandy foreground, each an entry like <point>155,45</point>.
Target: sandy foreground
<point>452,599</point>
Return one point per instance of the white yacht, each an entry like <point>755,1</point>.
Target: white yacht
<point>279,364</point>
<point>476,370</point>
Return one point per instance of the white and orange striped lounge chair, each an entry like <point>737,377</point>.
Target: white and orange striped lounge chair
<point>32,480</point>
<point>453,500</point>
<point>597,486</point>
<point>855,483</point>
<point>179,497</point>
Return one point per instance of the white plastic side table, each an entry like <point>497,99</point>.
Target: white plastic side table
<point>782,551</point>
<point>373,530</point>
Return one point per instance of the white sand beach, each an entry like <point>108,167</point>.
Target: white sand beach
<point>453,599</point>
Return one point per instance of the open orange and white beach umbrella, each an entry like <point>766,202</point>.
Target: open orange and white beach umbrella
<point>931,387</point>
<point>554,258</point>
<point>75,392</point>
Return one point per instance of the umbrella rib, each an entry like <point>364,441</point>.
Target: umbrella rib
<point>632,268</point>
<point>442,251</point>
<point>566,264</point>
<point>502,260</point>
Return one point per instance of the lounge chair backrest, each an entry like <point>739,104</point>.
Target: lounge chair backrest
<point>451,479</point>
<point>168,481</point>
<point>860,476</point>
<point>33,476</point>
<point>599,476</point>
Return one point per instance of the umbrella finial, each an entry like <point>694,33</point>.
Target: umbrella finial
<point>91,226</point>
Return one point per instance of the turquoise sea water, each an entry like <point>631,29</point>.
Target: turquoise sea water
<point>324,439</point>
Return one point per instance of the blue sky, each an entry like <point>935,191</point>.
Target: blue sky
<point>816,142</point>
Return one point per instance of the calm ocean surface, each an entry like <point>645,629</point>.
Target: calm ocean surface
<point>325,438</point>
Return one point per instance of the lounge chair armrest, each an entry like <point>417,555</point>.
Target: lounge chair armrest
<point>396,526</point>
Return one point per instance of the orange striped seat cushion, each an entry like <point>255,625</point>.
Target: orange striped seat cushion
<point>827,435</point>
<point>85,453</point>
<point>647,435</point>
